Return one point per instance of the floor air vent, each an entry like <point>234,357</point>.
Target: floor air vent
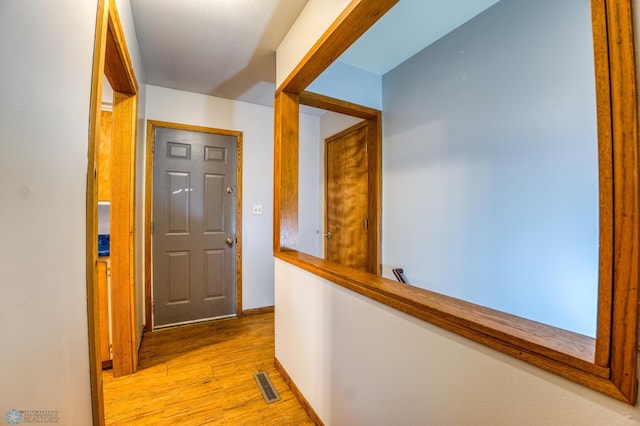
<point>266,387</point>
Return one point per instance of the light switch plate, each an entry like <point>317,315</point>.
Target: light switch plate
<point>257,209</point>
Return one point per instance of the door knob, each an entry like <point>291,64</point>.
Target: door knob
<point>229,242</point>
<point>328,235</point>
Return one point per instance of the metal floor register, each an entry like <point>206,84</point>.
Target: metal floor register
<point>266,387</point>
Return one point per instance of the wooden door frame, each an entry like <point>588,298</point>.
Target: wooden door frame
<point>111,59</point>
<point>373,119</point>
<point>148,208</point>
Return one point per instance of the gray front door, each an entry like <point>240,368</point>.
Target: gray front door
<point>194,213</point>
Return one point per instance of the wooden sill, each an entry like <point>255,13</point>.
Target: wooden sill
<point>565,353</point>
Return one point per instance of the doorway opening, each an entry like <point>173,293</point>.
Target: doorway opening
<point>111,60</point>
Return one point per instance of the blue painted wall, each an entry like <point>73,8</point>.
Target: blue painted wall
<point>351,84</point>
<point>490,163</point>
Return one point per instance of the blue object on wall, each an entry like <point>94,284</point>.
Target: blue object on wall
<point>103,245</point>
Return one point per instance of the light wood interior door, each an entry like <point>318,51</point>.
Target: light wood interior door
<point>347,197</point>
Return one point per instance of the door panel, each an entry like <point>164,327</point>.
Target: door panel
<point>347,198</point>
<point>179,202</point>
<point>212,153</point>
<point>214,273</point>
<point>214,202</point>
<point>179,281</point>
<point>194,251</point>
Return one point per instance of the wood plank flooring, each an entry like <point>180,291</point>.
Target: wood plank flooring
<point>203,375</point>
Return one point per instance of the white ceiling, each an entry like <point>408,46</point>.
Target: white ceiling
<point>226,48</point>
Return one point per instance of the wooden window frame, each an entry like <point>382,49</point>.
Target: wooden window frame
<point>607,363</point>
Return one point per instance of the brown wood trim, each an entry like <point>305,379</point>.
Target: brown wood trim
<point>118,66</point>
<point>258,311</point>
<point>148,207</point>
<point>626,234</point>
<point>148,191</point>
<point>296,392</point>
<point>285,166</point>
<point>605,167</point>
<point>194,128</point>
<point>375,188</point>
<point>121,240</point>
<point>114,60</point>
<point>606,365</point>
<point>239,152</point>
<point>327,103</point>
<point>111,59</point>
<point>357,17</point>
<point>93,319</point>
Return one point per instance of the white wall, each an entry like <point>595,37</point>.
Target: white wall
<point>256,124</point>
<point>309,217</point>
<point>139,206</point>
<point>349,84</point>
<point>45,80</point>
<point>333,123</point>
<point>312,22</point>
<point>359,362</point>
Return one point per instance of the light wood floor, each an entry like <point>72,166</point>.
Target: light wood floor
<point>203,375</point>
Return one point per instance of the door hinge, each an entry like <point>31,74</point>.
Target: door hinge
<point>366,224</point>
<point>366,147</point>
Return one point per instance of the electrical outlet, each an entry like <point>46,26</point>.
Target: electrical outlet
<point>257,209</point>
